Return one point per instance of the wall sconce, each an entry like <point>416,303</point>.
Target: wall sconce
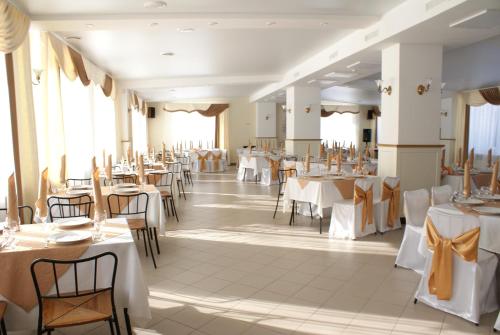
<point>445,114</point>
<point>37,74</point>
<point>307,109</point>
<point>381,89</point>
<point>421,89</point>
<point>442,87</point>
<point>268,116</point>
<point>289,110</point>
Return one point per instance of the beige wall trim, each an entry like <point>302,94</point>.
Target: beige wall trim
<point>411,145</point>
<point>447,139</point>
<point>303,139</point>
<point>266,137</point>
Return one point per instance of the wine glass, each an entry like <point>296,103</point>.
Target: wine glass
<point>99,221</point>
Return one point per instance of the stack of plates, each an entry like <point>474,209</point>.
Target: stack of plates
<point>78,192</point>
<point>125,185</point>
<point>81,187</point>
<point>488,210</point>
<point>70,237</point>
<point>489,197</point>
<point>127,190</point>
<point>72,222</point>
<point>470,202</point>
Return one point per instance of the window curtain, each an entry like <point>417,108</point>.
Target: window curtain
<point>491,95</point>
<point>209,111</point>
<point>6,149</point>
<point>14,26</point>
<point>484,120</point>
<point>26,128</point>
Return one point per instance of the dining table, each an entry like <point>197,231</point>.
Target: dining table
<point>321,191</point>
<point>34,241</point>
<point>155,211</point>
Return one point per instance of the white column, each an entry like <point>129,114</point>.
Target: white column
<point>409,145</point>
<point>265,122</point>
<point>303,112</point>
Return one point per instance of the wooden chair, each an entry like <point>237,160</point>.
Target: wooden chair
<point>69,207</point>
<point>71,182</point>
<point>283,175</point>
<point>22,210</point>
<point>76,307</point>
<point>3,308</point>
<point>134,207</point>
<point>163,181</point>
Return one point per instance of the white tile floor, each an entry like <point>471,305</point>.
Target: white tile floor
<point>228,268</point>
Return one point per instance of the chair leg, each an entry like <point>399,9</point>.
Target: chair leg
<point>156,240</point>
<point>311,211</point>
<point>144,237</point>
<point>115,321</point>
<point>151,250</point>
<point>111,327</point>
<point>183,193</point>
<point>3,327</point>
<point>277,203</point>
<point>244,174</point>
<point>173,209</point>
<point>138,236</point>
<point>415,301</point>
<point>320,225</point>
<point>291,214</point>
<point>127,321</point>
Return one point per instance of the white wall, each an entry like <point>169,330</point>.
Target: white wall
<point>265,117</point>
<point>299,124</point>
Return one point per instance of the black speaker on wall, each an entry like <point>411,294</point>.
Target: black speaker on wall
<point>369,115</point>
<point>367,135</point>
<point>151,112</point>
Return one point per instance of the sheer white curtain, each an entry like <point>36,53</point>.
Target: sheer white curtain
<point>341,128</point>
<point>139,131</point>
<point>6,152</point>
<point>484,129</point>
<point>104,123</point>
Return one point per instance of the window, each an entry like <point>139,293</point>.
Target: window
<point>340,128</point>
<point>6,151</point>
<point>104,123</point>
<point>139,131</point>
<point>484,129</point>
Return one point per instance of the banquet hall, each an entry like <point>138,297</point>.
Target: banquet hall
<point>232,167</point>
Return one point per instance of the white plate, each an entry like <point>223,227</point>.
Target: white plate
<point>488,197</point>
<point>470,201</point>
<point>128,190</point>
<point>77,192</point>
<point>70,237</point>
<point>125,185</point>
<point>488,210</point>
<point>72,222</point>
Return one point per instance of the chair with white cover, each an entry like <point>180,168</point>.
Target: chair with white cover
<point>353,218</point>
<point>459,278</point>
<point>416,204</point>
<point>441,194</point>
<point>387,209</point>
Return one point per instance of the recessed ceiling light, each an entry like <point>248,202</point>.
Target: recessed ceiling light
<point>168,53</point>
<point>155,4</point>
<point>340,75</point>
<point>154,24</point>
<point>324,23</point>
<point>185,30</point>
<point>270,23</point>
<point>172,91</point>
<point>327,82</point>
<point>311,81</point>
<point>213,23</point>
<point>89,25</point>
<point>73,38</point>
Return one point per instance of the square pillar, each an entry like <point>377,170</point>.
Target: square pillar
<point>265,122</point>
<point>409,145</point>
<point>303,112</point>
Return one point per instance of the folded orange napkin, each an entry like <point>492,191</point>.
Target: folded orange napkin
<point>109,168</point>
<point>41,203</point>
<point>12,211</point>
<point>62,173</point>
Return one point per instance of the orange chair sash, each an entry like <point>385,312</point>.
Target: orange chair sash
<point>393,194</point>
<point>202,162</point>
<point>441,275</point>
<point>365,197</point>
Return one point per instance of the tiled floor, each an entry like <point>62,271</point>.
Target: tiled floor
<point>228,268</point>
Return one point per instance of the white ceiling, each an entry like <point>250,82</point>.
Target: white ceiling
<point>241,45</point>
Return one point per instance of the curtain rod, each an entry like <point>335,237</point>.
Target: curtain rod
<point>482,88</point>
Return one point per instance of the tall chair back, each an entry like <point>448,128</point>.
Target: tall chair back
<point>64,207</point>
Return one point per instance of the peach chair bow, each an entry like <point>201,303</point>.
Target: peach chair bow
<point>216,160</point>
<point>393,194</point>
<point>202,162</point>
<point>441,275</point>
<point>275,167</point>
<point>365,197</point>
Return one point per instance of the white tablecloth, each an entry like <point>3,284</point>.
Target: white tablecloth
<point>131,290</point>
<point>209,163</point>
<point>322,193</point>
<point>254,165</point>
<point>489,238</point>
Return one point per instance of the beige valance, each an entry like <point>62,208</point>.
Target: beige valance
<point>491,95</point>
<point>74,65</point>
<point>211,110</point>
<point>14,26</point>
<point>339,110</point>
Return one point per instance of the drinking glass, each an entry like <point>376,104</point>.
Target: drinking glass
<point>99,221</point>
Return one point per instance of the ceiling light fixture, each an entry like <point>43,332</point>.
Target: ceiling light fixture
<point>213,23</point>
<point>270,23</point>
<point>311,81</point>
<point>168,53</point>
<point>154,24</point>
<point>340,75</point>
<point>324,23</point>
<point>185,30</point>
<point>89,25</point>
<point>73,38</point>
<point>155,4</point>
<point>171,91</point>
